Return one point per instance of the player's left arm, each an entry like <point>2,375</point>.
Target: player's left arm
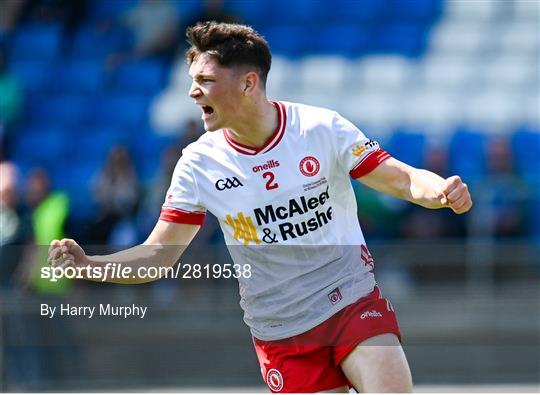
<point>419,186</point>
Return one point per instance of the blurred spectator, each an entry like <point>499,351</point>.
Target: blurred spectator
<point>117,194</point>
<point>155,27</point>
<point>506,193</point>
<point>70,13</point>
<point>11,99</point>
<point>14,229</point>
<point>10,11</point>
<point>214,10</point>
<point>49,212</point>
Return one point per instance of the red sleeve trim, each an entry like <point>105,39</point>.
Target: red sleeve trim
<point>369,163</point>
<point>181,216</point>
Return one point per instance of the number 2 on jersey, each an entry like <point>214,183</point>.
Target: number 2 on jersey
<point>270,180</point>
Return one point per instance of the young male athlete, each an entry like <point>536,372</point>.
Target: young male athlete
<point>277,176</point>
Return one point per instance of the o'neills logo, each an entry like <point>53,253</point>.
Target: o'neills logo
<point>274,379</point>
<point>372,313</point>
<point>267,166</point>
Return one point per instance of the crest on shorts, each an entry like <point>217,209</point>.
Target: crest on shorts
<point>274,379</point>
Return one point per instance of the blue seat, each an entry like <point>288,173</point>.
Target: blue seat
<point>68,110</point>
<point>37,42</point>
<point>97,142</point>
<point>348,40</point>
<point>408,146</point>
<point>414,10</point>
<point>80,76</point>
<point>34,75</point>
<point>467,154</point>
<point>92,41</point>
<point>39,146</point>
<point>146,76</point>
<point>346,11</point>
<point>526,153</point>
<point>109,9</point>
<point>404,38</point>
<point>123,111</point>
<point>147,150</point>
<point>288,40</point>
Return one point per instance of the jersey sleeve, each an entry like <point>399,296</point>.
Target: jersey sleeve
<point>182,203</point>
<point>358,154</point>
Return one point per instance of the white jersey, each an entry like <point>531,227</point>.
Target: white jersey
<point>289,211</point>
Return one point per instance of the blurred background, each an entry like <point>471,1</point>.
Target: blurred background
<point>94,114</point>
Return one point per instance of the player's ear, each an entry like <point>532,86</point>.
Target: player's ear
<point>251,80</point>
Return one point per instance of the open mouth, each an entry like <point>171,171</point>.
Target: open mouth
<point>207,110</point>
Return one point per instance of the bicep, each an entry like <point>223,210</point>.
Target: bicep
<point>391,177</point>
<point>171,233</point>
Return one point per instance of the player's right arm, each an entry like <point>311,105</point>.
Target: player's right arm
<point>161,249</point>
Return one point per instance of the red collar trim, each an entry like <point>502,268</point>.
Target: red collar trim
<point>272,140</point>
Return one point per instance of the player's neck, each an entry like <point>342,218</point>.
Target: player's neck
<point>257,124</point>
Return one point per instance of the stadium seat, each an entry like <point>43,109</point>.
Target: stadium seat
<point>526,153</point>
<point>147,150</point>
<point>348,40</point>
<point>520,37</point>
<point>461,38</point>
<point>280,78</point>
<point>510,72</point>
<point>491,109</point>
<point>79,76</point>
<point>345,11</point>
<point>107,9</point>
<point>144,76</point>
<point>70,110</point>
<point>408,146</point>
<point>476,11</point>
<point>414,10</point>
<point>446,72</point>
<point>467,154</point>
<point>431,109</point>
<point>325,73</point>
<point>39,146</point>
<point>34,75</point>
<point>98,142</point>
<point>288,40</point>
<point>37,42</point>
<point>373,110</point>
<point>123,111</point>
<point>407,39</point>
<point>170,110</point>
<point>94,41</point>
<point>389,72</point>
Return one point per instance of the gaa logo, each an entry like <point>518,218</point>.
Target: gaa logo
<point>274,379</point>
<point>335,296</point>
<point>309,166</point>
<point>228,183</point>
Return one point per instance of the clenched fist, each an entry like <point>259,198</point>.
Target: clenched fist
<point>66,252</point>
<point>455,194</point>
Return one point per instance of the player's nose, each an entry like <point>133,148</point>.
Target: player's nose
<point>194,91</point>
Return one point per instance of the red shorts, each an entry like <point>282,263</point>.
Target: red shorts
<point>309,362</point>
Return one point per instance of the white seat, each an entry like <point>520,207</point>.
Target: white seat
<point>493,109</point>
<point>510,72</point>
<point>473,10</point>
<point>327,73</point>
<point>521,37</point>
<point>179,76</point>
<point>448,72</point>
<point>280,76</point>
<point>527,9</point>
<point>431,109</point>
<point>462,38</point>
<point>373,108</point>
<point>531,113</point>
<point>171,110</point>
<point>383,72</point>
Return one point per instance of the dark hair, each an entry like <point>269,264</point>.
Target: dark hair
<point>231,44</point>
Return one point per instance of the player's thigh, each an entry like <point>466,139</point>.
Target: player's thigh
<point>343,389</point>
<point>378,364</point>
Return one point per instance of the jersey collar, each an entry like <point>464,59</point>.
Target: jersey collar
<point>272,141</point>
